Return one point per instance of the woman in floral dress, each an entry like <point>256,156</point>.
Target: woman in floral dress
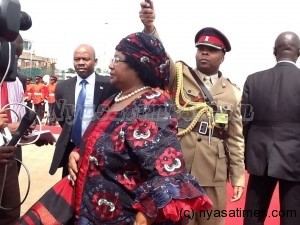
<point>130,168</point>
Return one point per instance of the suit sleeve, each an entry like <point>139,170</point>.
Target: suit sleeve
<point>246,109</point>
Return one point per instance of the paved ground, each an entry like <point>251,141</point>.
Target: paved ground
<point>37,160</point>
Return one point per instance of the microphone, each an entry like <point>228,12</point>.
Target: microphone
<point>25,21</point>
<point>26,121</point>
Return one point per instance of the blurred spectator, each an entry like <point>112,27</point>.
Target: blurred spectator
<point>19,50</point>
<point>10,196</point>
<point>51,101</point>
<point>38,96</point>
<point>45,90</point>
<point>29,92</point>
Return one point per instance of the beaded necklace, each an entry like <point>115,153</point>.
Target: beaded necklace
<point>118,98</point>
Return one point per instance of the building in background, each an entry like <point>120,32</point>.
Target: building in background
<point>31,64</point>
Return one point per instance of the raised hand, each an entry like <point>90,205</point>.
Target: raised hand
<point>147,16</point>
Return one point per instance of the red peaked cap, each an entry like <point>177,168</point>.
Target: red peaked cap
<point>212,37</point>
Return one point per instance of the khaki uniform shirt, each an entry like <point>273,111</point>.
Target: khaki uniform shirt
<point>208,163</point>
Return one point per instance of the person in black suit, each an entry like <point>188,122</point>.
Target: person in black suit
<point>98,89</point>
<point>23,79</point>
<point>9,182</point>
<point>19,51</point>
<point>272,134</point>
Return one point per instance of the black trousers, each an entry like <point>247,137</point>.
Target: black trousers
<point>52,118</point>
<point>18,155</point>
<point>40,110</point>
<point>29,104</point>
<point>258,197</point>
<point>11,194</point>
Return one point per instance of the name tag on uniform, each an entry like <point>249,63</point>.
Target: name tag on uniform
<point>221,118</point>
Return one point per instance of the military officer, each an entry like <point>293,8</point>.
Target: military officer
<point>210,122</point>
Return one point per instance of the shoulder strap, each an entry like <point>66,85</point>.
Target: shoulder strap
<point>205,91</point>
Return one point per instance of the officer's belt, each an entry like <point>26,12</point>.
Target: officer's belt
<point>219,133</point>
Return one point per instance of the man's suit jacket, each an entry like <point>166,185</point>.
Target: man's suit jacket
<point>64,110</point>
<point>273,134</point>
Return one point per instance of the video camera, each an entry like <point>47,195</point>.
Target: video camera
<point>12,19</point>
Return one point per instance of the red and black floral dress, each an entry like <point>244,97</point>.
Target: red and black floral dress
<point>131,161</point>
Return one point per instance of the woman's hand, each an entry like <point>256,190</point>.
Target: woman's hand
<point>143,219</point>
<point>73,168</point>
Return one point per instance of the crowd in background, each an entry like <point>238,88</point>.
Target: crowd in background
<point>40,96</point>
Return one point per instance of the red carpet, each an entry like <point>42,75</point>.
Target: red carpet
<point>238,206</point>
<point>234,208</point>
<point>53,129</point>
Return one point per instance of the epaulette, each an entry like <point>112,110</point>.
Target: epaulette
<point>233,84</point>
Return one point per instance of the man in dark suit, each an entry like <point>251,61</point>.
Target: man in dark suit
<point>9,186</point>
<point>272,135</point>
<point>19,51</point>
<point>67,93</point>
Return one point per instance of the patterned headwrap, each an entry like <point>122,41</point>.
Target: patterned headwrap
<point>149,51</point>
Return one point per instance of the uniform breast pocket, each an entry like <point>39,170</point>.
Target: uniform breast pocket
<point>191,92</point>
<point>221,164</point>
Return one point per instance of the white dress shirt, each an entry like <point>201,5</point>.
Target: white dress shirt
<point>88,112</point>
<point>208,81</point>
